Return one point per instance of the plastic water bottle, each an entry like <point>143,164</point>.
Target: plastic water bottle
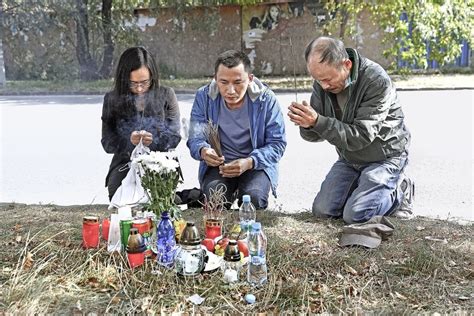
<point>166,243</point>
<point>257,273</point>
<point>247,215</point>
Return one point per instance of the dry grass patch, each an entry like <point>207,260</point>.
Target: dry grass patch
<point>425,267</point>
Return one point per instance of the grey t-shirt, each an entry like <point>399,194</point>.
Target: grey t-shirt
<point>234,131</point>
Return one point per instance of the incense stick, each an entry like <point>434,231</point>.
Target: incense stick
<point>212,135</point>
<point>294,70</point>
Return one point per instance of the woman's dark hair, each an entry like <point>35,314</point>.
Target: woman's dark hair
<point>231,59</point>
<point>132,59</point>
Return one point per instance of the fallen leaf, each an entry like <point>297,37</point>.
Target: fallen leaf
<point>78,305</point>
<point>352,291</point>
<point>112,285</point>
<point>317,288</point>
<point>18,238</point>
<point>115,300</point>
<point>419,228</point>
<point>146,303</point>
<point>351,270</point>
<point>17,227</point>
<point>400,296</point>
<point>463,298</point>
<point>443,241</point>
<point>28,261</point>
<point>93,282</point>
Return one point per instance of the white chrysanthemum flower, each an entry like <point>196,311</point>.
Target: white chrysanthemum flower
<point>159,162</point>
<point>159,177</point>
<point>170,165</point>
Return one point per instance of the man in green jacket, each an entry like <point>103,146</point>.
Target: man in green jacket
<point>354,106</point>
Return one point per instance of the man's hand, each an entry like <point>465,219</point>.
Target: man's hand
<point>236,167</point>
<point>210,157</point>
<point>302,114</point>
<point>147,138</point>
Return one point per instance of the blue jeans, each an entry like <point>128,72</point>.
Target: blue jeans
<point>252,182</point>
<point>358,192</point>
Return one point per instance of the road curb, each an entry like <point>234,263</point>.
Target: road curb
<point>193,91</point>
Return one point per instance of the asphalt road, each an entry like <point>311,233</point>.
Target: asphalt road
<point>51,153</point>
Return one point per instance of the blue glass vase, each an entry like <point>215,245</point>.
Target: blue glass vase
<point>165,241</point>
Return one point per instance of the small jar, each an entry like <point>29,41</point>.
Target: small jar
<point>90,232</point>
<point>213,228</point>
<point>232,264</point>
<point>191,257</point>
<point>105,229</point>
<point>135,248</point>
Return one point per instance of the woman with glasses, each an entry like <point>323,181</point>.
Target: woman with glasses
<point>138,108</point>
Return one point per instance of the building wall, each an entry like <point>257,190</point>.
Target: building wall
<point>189,49</point>
<point>187,43</point>
<point>275,47</point>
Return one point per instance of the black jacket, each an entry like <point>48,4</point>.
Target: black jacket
<point>372,125</point>
<point>120,118</point>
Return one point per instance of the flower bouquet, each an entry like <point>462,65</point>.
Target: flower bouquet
<point>159,173</point>
<point>160,177</point>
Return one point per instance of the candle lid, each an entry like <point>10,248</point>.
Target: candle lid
<point>190,235</point>
<point>232,252</point>
<point>90,219</point>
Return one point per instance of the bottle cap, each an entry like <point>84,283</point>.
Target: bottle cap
<point>246,198</point>
<point>256,226</point>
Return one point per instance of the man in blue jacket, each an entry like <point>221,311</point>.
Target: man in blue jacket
<point>354,106</point>
<point>251,131</point>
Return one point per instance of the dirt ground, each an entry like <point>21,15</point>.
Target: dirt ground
<point>426,266</point>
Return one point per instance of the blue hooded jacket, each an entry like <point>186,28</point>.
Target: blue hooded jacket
<point>267,127</point>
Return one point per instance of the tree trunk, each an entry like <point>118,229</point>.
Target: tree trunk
<point>87,65</point>
<point>343,25</point>
<point>108,42</point>
<point>2,61</point>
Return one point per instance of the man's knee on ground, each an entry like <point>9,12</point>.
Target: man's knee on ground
<point>352,214</point>
<point>321,211</point>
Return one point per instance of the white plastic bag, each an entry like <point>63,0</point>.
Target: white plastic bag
<point>131,192</point>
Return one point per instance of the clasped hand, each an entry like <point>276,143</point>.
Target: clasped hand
<point>302,114</point>
<point>147,138</point>
<point>229,170</point>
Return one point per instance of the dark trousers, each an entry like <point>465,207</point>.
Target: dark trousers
<point>252,182</point>
<point>115,177</point>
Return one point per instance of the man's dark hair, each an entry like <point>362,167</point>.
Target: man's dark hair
<point>231,59</point>
<point>132,59</point>
<point>330,50</point>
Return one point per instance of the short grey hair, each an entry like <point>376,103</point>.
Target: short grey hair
<point>330,50</point>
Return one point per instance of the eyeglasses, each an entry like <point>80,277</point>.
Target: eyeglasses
<point>143,84</point>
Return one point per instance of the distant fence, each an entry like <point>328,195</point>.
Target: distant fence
<point>461,61</point>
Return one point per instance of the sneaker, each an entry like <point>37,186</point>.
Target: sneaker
<point>405,209</point>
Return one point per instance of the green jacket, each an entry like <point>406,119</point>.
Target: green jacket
<point>372,127</point>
